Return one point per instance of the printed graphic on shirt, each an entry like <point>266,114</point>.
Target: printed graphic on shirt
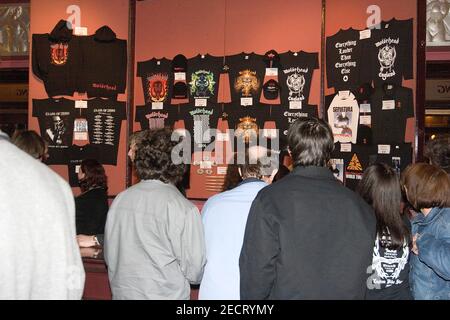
<point>354,169</point>
<point>57,127</point>
<point>155,119</point>
<point>295,83</point>
<point>386,57</point>
<point>343,116</point>
<point>198,121</point>
<point>337,168</point>
<point>59,53</point>
<point>157,87</point>
<point>247,83</point>
<point>202,84</point>
<point>247,128</point>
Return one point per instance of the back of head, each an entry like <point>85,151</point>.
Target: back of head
<point>95,176</point>
<point>310,142</point>
<point>438,152</point>
<point>426,186</point>
<point>154,157</point>
<point>380,188</point>
<point>30,142</point>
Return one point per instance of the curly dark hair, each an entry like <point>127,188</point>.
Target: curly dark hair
<point>438,151</point>
<point>95,175</point>
<point>153,157</point>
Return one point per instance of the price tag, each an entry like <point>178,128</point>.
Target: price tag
<point>180,76</point>
<point>367,120</point>
<point>81,104</point>
<point>295,105</point>
<point>272,72</point>
<point>384,149</point>
<point>77,169</point>
<point>221,137</point>
<point>80,130</point>
<point>158,63</point>
<point>246,101</point>
<point>270,133</point>
<point>344,92</point>
<point>365,34</point>
<point>181,132</point>
<point>388,105</point>
<point>222,171</point>
<point>81,31</point>
<point>364,108</point>
<point>346,147</point>
<point>157,105</point>
<point>201,102</point>
<point>205,164</point>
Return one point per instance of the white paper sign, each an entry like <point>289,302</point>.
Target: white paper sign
<point>81,31</point>
<point>246,101</point>
<point>81,104</point>
<point>272,72</point>
<point>346,147</point>
<point>388,105</point>
<point>205,165</point>
<point>201,102</point>
<point>221,136</point>
<point>157,105</point>
<point>295,105</point>
<point>384,149</point>
<point>222,171</point>
<point>270,133</point>
<point>77,169</point>
<point>180,76</point>
<point>364,108</point>
<point>367,120</point>
<point>365,34</point>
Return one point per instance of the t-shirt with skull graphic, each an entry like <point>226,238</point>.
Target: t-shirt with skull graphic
<point>56,122</point>
<point>203,77</point>
<point>104,124</point>
<point>156,119</point>
<point>155,74</point>
<point>198,121</point>
<point>343,116</point>
<point>344,60</point>
<point>247,73</point>
<point>390,52</point>
<point>296,74</point>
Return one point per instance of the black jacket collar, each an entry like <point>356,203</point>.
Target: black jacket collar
<point>314,172</point>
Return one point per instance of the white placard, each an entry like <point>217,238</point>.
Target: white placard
<point>295,105</point>
<point>388,105</point>
<point>81,31</point>
<point>272,72</point>
<point>270,133</point>
<point>77,169</point>
<point>364,108</point>
<point>222,136</point>
<point>346,147</point>
<point>180,76</point>
<point>367,120</point>
<point>246,101</point>
<point>80,130</point>
<point>201,102</point>
<point>157,105</point>
<point>384,149</point>
<point>222,171</point>
<point>344,92</point>
<point>81,104</point>
<point>180,132</point>
<point>365,34</point>
<point>158,63</point>
<point>205,164</point>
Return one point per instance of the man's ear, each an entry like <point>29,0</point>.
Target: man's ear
<point>240,172</point>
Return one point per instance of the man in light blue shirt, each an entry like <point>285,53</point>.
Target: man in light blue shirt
<point>224,219</point>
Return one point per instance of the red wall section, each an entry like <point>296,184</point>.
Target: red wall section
<point>94,14</point>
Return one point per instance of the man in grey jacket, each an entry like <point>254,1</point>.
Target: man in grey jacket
<point>154,242</point>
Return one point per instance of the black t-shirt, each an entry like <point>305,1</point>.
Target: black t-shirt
<point>203,77</point>
<point>389,52</point>
<point>156,80</point>
<point>391,106</point>
<point>156,119</point>
<point>91,211</point>
<point>344,60</point>
<point>56,122</point>
<point>197,121</point>
<point>76,154</point>
<point>296,74</point>
<point>399,156</point>
<point>105,120</point>
<point>247,73</point>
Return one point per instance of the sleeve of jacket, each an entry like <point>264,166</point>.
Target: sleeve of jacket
<point>37,70</point>
<point>435,253</point>
<point>188,242</point>
<point>257,262</point>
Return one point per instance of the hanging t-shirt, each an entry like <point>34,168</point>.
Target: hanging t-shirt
<point>246,76</point>
<point>391,106</point>
<point>56,122</point>
<point>389,52</point>
<point>156,84</point>
<point>398,156</point>
<point>344,59</point>
<point>76,154</point>
<point>156,119</point>
<point>296,74</point>
<point>198,121</point>
<point>203,78</point>
<point>105,120</point>
<point>343,116</point>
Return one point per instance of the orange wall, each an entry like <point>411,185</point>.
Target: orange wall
<point>94,14</point>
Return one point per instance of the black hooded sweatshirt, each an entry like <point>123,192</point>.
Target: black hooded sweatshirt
<point>104,64</point>
<point>56,59</point>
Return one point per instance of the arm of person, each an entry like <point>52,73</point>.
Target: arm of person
<point>435,253</point>
<point>257,262</point>
<point>86,241</point>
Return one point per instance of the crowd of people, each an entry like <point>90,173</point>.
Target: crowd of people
<point>291,233</point>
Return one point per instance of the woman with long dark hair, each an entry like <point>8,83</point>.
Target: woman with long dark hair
<point>92,204</point>
<point>380,188</point>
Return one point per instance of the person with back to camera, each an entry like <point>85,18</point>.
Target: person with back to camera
<point>307,236</point>
<point>32,143</point>
<point>380,188</point>
<point>427,188</point>
<point>438,152</point>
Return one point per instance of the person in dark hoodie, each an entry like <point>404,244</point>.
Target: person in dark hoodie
<point>56,59</point>
<point>104,64</point>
